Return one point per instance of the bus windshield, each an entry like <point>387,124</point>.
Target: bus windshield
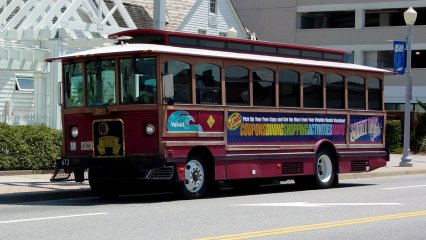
<point>138,80</point>
<point>73,76</point>
<point>100,77</point>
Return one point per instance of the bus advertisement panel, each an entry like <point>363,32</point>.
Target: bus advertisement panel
<point>249,127</point>
<point>366,129</point>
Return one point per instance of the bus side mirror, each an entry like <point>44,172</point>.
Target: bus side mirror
<point>169,89</point>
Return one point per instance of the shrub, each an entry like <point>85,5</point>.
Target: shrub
<point>28,147</point>
<point>419,137</point>
<point>394,136</point>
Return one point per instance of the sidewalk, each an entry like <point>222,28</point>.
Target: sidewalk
<point>392,168</point>
<point>15,188</point>
<point>37,187</point>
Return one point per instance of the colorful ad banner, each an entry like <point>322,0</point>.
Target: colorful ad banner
<point>366,129</point>
<point>248,127</point>
<point>399,56</point>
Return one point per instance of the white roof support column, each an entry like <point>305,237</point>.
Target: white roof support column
<point>41,29</point>
<point>47,108</point>
<point>159,18</point>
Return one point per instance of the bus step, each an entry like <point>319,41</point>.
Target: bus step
<point>60,175</point>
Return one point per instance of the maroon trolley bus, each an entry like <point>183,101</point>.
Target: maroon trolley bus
<point>194,116</point>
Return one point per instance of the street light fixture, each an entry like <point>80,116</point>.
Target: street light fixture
<point>410,18</point>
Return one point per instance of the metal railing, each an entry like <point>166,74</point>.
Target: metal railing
<point>19,119</point>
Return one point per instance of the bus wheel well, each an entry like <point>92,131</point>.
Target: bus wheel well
<point>202,152</point>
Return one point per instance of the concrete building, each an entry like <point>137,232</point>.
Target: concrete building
<point>364,27</point>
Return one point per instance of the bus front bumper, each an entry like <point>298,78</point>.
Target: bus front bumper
<point>135,168</point>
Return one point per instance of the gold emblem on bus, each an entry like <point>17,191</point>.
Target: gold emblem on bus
<point>109,141</point>
<point>211,121</point>
<point>103,128</point>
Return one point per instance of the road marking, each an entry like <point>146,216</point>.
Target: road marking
<point>418,186</point>
<point>50,218</point>
<point>287,230</point>
<point>306,204</point>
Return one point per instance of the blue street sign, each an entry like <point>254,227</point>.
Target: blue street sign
<point>399,51</point>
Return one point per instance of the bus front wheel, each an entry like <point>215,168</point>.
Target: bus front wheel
<point>196,179</point>
<point>99,184</point>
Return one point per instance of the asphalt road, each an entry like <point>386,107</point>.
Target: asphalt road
<point>373,208</point>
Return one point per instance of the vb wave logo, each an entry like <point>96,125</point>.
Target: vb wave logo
<point>182,121</point>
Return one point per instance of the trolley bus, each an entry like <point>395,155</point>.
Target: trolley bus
<point>192,116</point>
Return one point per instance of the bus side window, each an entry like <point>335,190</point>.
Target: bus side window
<point>356,92</point>
<point>263,87</point>
<point>138,84</point>
<point>208,84</point>
<point>181,72</point>
<point>237,85</point>
<point>374,93</point>
<point>312,90</point>
<point>335,91</point>
<point>146,80</point>
<point>289,88</point>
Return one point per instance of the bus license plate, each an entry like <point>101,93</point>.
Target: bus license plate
<point>86,146</point>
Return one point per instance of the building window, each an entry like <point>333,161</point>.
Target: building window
<point>418,59</point>
<point>24,84</point>
<point>392,17</point>
<point>202,31</point>
<point>315,20</point>
<point>213,7</point>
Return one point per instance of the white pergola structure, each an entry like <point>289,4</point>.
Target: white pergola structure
<point>34,30</point>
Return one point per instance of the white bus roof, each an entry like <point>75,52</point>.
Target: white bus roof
<point>140,48</point>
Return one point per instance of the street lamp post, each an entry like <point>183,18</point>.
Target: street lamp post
<point>410,18</point>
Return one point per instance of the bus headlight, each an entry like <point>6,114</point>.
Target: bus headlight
<point>150,129</point>
<point>74,132</point>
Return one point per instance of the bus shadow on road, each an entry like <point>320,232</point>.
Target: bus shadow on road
<point>166,195</point>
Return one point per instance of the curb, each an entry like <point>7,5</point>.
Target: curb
<point>25,172</point>
<point>16,198</point>
<point>348,176</point>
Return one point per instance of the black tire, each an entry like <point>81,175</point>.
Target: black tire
<point>100,185</point>
<point>197,179</point>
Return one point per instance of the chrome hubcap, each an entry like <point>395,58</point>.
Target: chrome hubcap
<point>324,168</point>
<point>194,176</point>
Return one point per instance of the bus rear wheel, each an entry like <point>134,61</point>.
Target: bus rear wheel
<point>324,169</point>
<point>325,172</point>
<point>196,179</point>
